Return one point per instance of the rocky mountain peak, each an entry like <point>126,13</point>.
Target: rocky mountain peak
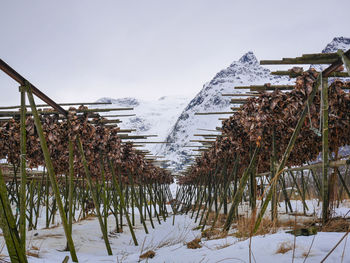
<point>337,43</point>
<point>249,58</point>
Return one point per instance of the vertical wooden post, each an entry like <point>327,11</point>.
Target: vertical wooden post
<point>104,194</point>
<point>51,173</point>
<point>94,197</point>
<point>23,142</point>
<point>303,192</point>
<point>239,193</point>
<point>325,150</point>
<point>138,205</point>
<point>8,226</point>
<point>47,201</point>
<point>345,59</point>
<point>71,186</point>
<point>274,186</point>
<point>122,203</point>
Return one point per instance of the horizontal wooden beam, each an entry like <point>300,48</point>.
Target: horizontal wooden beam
<point>60,104</point>
<point>208,135</point>
<point>292,74</point>
<point>332,164</point>
<point>118,116</point>
<point>212,113</point>
<point>319,58</point>
<point>240,95</point>
<point>266,87</point>
<point>49,112</point>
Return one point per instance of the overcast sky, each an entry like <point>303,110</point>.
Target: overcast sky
<point>81,50</point>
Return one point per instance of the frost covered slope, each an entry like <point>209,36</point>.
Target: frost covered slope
<point>153,117</point>
<point>246,71</point>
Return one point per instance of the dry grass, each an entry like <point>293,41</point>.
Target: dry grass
<point>49,235</point>
<point>33,254</point>
<point>224,245</point>
<point>148,254</point>
<point>211,234</point>
<point>244,226</point>
<point>194,244</point>
<point>284,247</point>
<point>337,224</point>
<point>220,222</point>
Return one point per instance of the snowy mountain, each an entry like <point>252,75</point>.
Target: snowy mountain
<point>337,43</point>
<point>246,71</point>
<point>153,117</point>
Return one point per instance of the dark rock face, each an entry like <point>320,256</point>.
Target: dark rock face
<point>337,43</point>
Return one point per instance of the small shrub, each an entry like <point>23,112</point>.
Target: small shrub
<point>213,234</point>
<point>148,254</point>
<point>194,244</point>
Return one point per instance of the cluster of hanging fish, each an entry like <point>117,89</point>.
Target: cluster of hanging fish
<point>273,117</point>
<point>101,145</point>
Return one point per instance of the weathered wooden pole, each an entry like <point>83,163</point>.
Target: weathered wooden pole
<point>274,186</point>
<point>345,59</point>
<point>104,194</point>
<point>225,189</point>
<point>325,150</point>
<point>138,205</point>
<point>122,202</point>
<point>343,181</point>
<point>94,197</point>
<point>8,226</point>
<point>51,173</point>
<point>23,142</point>
<point>71,185</point>
<point>239,193</point>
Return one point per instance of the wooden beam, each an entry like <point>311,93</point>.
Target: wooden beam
<point>61,104</point>
<point>294,75</point>
<point>266,87</point>
<point>240,95</point>
<point>319,58</point>
<point>212,113</point>
<point>23,82</point>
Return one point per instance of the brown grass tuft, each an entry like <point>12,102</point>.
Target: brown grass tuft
<point>244,227</point>
<point>337,224</point>
<point>194,244</point>
<point>49,235</point>
<point>284,247</point>
<point>220,222</point>
<point>33,254</point>
<point>214,234</point>
<point>148,254</point>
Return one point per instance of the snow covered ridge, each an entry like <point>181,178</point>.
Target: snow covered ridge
<point>337,43</point>
<point>153,117</point>
<point>246,71</point>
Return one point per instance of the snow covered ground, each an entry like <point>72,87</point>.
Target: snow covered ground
<point>168,241</point>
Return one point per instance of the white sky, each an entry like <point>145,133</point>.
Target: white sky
<point>81,50</point>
